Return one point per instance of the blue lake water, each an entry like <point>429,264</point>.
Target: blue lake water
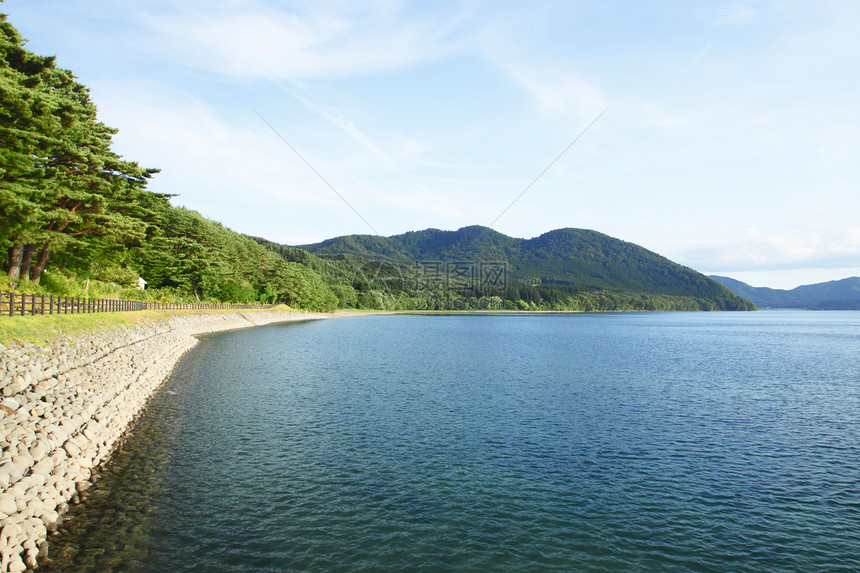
<point>590,442</point>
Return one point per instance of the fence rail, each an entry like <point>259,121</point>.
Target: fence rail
<point>13,304</point>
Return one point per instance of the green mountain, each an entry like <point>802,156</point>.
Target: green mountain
<point>843,294</point>
<point>561,269</point>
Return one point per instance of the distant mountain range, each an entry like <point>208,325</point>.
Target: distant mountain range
<point>567,261</point>
<point>833,295</point>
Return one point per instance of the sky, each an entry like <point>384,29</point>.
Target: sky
<point>722,134</point>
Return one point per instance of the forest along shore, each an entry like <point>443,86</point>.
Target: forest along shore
<point>64,406</point>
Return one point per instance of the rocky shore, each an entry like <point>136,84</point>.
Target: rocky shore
<point>63,407</point>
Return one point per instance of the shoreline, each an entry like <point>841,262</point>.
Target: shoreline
<point>66,404</point>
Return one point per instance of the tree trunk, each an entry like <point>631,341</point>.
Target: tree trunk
<point>36,272</point>
<point>26,261</point>
<point>16,253</point>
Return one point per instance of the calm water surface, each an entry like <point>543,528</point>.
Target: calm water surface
<point>657,441</point>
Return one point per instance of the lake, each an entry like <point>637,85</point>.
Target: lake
<point>474,442</point>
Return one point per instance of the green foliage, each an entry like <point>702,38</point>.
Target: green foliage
<point>203,259</point>
<point>347,297</point>
<point>567,269</point>
<point>59,180</point>
<point>69,203</point>
<point>122,276</point>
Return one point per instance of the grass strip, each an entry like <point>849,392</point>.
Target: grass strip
<point>42,329</point>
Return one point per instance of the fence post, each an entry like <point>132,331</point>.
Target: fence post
<point>11,302</point>
<point>23,303</point>
<point>43,306</point>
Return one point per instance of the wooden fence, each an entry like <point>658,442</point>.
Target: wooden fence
<point>13,304</point>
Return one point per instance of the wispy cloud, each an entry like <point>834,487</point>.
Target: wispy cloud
<point>308,40</point>
<point>210,158</point>
<point>557,90</point>
<point>344,124</point>
<point>736,11</point>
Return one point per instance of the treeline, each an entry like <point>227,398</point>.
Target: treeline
<point>70,204</point>
<point>398,284</point>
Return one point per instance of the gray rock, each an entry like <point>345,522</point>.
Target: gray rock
<point>7,504</point>
<point>12,470</point>
<point>17,385</point>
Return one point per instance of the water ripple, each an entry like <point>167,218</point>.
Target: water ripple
<point>688,442</point>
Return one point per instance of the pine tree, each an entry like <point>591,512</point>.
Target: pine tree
<point>59,179</point>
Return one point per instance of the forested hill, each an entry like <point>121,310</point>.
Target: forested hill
<point>558,266</point>
<point>843,294</point>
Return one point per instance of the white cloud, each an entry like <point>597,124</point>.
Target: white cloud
<point>570,96</point>
<point>789,279</point>
<point>803,246</point>
<point>253,40</point>
<point>207,158</point>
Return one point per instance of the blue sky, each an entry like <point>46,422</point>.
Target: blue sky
<point>729,139</point>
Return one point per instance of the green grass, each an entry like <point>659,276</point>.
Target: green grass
<point>41,330</point>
